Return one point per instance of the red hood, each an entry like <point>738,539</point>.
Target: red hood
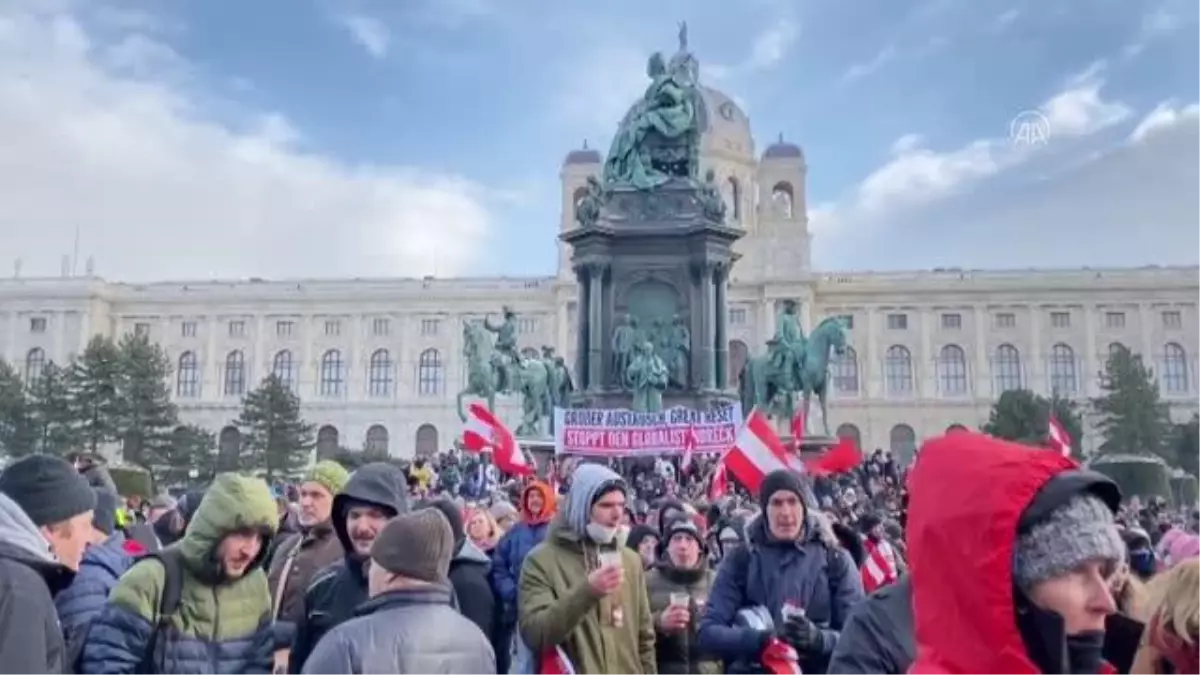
<point>966,495</point>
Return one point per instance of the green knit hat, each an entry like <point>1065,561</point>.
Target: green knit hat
<point>329,474</point>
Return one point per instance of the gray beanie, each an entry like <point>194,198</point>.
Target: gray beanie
<point>1078,531</point>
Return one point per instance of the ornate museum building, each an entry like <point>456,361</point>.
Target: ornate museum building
<point>378,362</point>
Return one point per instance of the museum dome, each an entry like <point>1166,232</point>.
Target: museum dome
<point>725,126</point>
<point>584,155</point>
<point>781,149</point>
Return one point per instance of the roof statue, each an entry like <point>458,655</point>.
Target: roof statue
<point>659,138</point>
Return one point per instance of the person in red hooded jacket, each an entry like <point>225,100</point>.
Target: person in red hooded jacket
<point>1011,549</point>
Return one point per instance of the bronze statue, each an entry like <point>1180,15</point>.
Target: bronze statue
<point>648,376</point>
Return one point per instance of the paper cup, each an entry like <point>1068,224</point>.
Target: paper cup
<point>610,558</point>
<point>680,599</point>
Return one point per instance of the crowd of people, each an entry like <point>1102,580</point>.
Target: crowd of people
<point>983,556</point>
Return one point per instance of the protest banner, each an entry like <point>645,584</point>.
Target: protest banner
<point>615,432</point>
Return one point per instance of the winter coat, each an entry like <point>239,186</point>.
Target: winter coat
<point>878,636</point>
<point>814,573</point>
<point>469,577</point>
<point>404,631</point>
<point>30,576</point>
<point>340,588</point>
<point>312,552</point>
<point>82,601</point>
<point>222,625</point>
<point>679,652</point>
<point>510,553</point>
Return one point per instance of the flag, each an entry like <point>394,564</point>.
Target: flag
<point>718,485</point>
<point>798,428</point>
<point>1057,437</point>
<point>689,446</point>
<point>756,452</point>
<point>840,459</point>
<point>484,432</point>
<point>877,571</point>
<point>556,662</point>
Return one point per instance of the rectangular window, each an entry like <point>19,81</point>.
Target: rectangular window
<point>237,329</point>
<point>284,329</point>
<point>380,327</point>
<point>1004,320</point>
<point>187,329</point>
<point>847,321</point>
<point>333,328</point>
<point>429,327</point>
<point>1060,319</point>
<point>951,321</point>
<point>897,321</point>
<point>1172,319</point>
<point>1114,320</point>
<point>527,326</point>
<point>141,329</point>
<point>37,324</point>
<point>737,316</point>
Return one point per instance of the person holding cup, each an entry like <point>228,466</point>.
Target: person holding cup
<point>582,594</point>
<point>678,588</point>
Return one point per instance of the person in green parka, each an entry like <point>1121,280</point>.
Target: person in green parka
<point>223,621</point>
<point>679,585</point>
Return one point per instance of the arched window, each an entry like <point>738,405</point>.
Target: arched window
<point>844,371</point>
<point>377,439</point>
<point>733,199</point>
<point>283,366</point>
<point>850,431</point>
<point>35,363</point>
<point>783,199</point>
<point>235,373</point>
<point>576,197</point>
<point>229,449</point>
<point>333,374</point>
<point>429,373</point>
<point>1175,369</point>
<point>898,371</point>
<point>902,441</point>
<point>739,353</point>
<point>1063,379</point>
<point>1007,366</point>
<point>327,441</point>
<point>952,371</point>
<point>379,374</point>
<point>187,376</point>
<point>427,440</point>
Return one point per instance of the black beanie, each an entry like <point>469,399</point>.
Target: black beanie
<point>780,479</point>
<point>47,489</point>
<point>104,516</point>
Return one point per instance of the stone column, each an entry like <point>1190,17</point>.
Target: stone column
<point>595,326</point>
<point>708,296</point>
<point>722,338</point>
<point>583,310</point>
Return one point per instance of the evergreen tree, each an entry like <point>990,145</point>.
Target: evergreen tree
<point>16,425</point>
<point>189,458</point>
<point>1187,446</point>
<point>1130,416</point>
<point>52,419</point>
<point>146,416</point>
<point>93,382</point>
<point>1023,416</point>
<point>278,440</point>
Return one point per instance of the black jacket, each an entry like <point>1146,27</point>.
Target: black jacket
<point>878,636</point>
<point>338,590</point>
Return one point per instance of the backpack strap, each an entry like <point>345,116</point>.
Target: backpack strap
<point>168,604</point>
<point>289,560</point>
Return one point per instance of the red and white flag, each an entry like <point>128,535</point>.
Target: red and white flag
<point>483,431</point>
<point>798,428</point>
<point>1057,437</point>
<point>689,447</point>
<point>556,662</point>
<point>718,485</point>
<point>877,570</point>
<point>757,452</point>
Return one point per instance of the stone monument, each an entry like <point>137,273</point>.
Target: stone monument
<point>652,255</point>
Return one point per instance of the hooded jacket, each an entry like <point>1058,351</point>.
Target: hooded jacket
<point>469,569</point>
<point>338,590</point>
<point>99,571</point>
<point>510,553</point>
<point>556,606</point>
<point>30,576</point>
<point>968,494</point>
<point>222,625</point>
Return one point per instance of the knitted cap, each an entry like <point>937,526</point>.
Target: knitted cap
<point>1080,530</point>
<point>329,475</point>
<point>682,526</point>
<point>417,545</point>
<point>47,489</point>
<point>780,479</point>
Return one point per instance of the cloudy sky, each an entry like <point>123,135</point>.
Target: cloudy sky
<point>285,138</point>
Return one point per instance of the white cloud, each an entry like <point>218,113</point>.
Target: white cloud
<point>1164,116</point>
<point>601,87</point>
<point>772,44</point>
<point>860,70</point>
<point>1081,111</point>
<point>370,33</point>
<point>1155,23</point>
<point>159,189</point>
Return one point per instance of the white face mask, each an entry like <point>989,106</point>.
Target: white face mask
<point>601,534</point>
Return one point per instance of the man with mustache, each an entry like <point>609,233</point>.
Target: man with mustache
<point>374,494</point>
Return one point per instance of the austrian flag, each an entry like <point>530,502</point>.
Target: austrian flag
<point>757,452</point>
<point>483,431</point>
<point>1058,438</point>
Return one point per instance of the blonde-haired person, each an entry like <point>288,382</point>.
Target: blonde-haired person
<point>482,529</point>
<point>1171,641</point>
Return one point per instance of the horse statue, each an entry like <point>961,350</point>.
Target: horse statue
<point>486,370</point>
<point>829,335</point>
<point>760,383</point>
